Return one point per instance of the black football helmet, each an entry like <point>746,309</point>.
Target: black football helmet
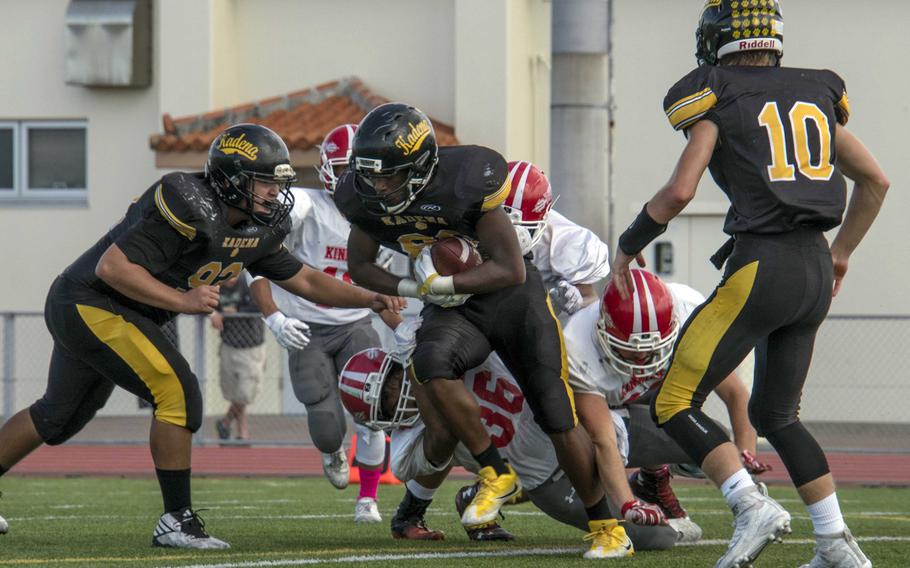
<point>247,152</point>
<point>393,156</point>
<point>729,26</point>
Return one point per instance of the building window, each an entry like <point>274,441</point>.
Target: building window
<point>43,161</point>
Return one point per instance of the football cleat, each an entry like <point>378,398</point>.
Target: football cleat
<point>335,466</point>
<point>366,511</point>
<point>758,521</point>
<point>653,486</point>
<point>223,428</point>
<point>493,493</point>
<point>686,529</point>
<point>608,540</point>
<point>838,551</point>
<point>408,522</point>
<point>4,526</point>
<point>184,529</point>
<point>485,532</point>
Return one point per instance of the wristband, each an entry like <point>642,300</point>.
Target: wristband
<point>408,288</point>
<point>640,233</point>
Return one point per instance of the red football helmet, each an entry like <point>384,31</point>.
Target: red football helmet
<point>637,334</point>
<point>361,384</point>
<point>528,203</point>
<point>335,150</point>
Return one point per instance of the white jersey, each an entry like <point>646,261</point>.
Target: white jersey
<point>510,424</point>
<point>567,251</point>
<point>589,370</point>
<point>319,238</point>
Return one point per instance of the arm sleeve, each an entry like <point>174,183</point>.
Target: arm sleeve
<point>279,265</point>
<point>576,253</point>
<point>691,99</point>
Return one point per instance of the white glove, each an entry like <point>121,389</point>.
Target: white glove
<point>565,297</point>
<point>291,333</point>
<point>406,338</point>
<point>384,258</point>
<point>434,288</point>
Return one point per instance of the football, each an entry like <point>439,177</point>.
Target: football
<point>453,255</point>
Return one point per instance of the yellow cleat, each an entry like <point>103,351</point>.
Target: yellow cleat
<point>495,491</point>
<point>608,540</point>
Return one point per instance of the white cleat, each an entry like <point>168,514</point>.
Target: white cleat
<point>335,466</point>
<point>758,521</point>
<point>184,529</point>
<point>366,511</point>
<point>686,529</point>
<point>4,526</point>
<point>838,551</point>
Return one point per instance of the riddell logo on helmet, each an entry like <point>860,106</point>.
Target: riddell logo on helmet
<point>415,137</point>
<point>747,45</point>
<point>238,145</point>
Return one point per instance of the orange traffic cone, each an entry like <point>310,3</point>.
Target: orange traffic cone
<point>387,477</point>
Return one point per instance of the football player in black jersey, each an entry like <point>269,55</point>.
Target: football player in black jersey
<point>775,141</point>
<point>176,243</point>
<point>403,192</point>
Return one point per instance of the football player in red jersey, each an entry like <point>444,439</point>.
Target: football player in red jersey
<point>187,233</point>
<point>775,141</point>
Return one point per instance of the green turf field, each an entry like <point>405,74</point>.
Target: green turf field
<point>78,522</point>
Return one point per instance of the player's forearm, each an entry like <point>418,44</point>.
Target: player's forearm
<point>736,398</point>
<point>321,288</point>
<point>135,282</point>
<point>490,276</point>
<point>370,276</point>
<point>864,206</point>
<point>261,292</point>
<point>390,318</point>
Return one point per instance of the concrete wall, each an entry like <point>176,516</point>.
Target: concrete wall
<point>653,47</point>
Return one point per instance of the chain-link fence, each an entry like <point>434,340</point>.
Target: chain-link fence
<point>854,397</point>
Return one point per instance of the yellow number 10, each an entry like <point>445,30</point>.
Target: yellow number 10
<point>781,169</point>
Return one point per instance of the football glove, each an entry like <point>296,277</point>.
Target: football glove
<point>641,513</point>
<point>426,275</point>
<point>752,465</point>
<point>406,338</point>
<point>291,333</point>
<point>565,297</point>
<point>384,258</point>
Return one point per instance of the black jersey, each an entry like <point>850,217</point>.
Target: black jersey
<point>178,231</point>
<point>468,182</point>
<point>775,157</point>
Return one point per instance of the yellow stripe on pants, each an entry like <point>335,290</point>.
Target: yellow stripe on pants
<point>700,340</point>
<point>137,351</point>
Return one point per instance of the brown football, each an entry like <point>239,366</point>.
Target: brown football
<point>453,255</point>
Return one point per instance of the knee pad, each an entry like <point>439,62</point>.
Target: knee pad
<point>185,410</point>
<point>802,456</point>
<point>767,421</point>
<point>316,384</point>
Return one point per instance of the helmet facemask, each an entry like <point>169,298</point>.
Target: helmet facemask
<point>409,181</point>
<point>653,350</point>
<point>238,192</point>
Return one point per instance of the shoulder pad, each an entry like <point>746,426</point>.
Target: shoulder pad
<point>839,93</point>
<point>185,202</point>
<point>486,178</point>
<point>691,97</point>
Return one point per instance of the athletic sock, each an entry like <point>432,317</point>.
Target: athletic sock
<point>599,511</point>
<point>826,516</point>
<point>419,491</point>
<point>175,488</point>
<point>369,482</point>
<point>490,458</point>
<point>734,484</point>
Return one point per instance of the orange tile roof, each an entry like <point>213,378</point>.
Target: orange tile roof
<point>302,118</point>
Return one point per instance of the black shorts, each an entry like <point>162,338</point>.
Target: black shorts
<point>774,295</point>
<point>99,343</point>
<point>519,324</point>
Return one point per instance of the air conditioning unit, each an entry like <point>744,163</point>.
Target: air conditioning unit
<point>108,43</point>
